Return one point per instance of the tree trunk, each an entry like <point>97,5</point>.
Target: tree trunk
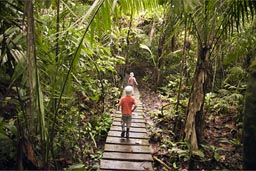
<point>160,60</point>
<point>35,117</point>
<point>128,47</point>
<point>249,159</point>
<point>31,68</point>
<point>182,71</point>
<point>196,101</point>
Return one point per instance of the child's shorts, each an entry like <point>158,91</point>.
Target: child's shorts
<point>126,119</point>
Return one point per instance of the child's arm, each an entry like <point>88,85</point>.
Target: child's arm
<point>118,107</point>
<point>135,81</point>
<point>134,107</point>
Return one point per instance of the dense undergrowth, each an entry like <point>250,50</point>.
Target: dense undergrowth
<point>221,139</point>
<point>79,143</point>
<point>56,100</point>
<point>79,137</point>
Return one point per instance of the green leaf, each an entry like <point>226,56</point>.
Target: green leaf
<point>146,48</point>
<point>3,137</point>
<point>47,3</point>
<point>79,166</point>
<point>19,70</point>
<point>198,153</point>
<point>174,165</point>
<point>216,156</point>
<point>143,46</point>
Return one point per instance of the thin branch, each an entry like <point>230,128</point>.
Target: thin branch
<point>197,31</point>
<point>161,162</point>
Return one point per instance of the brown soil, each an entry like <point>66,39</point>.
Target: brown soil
<point>221,135</point>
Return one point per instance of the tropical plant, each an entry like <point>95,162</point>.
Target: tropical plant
<point>68,57</point>
<point>209,25</point>
<point>210,20</point>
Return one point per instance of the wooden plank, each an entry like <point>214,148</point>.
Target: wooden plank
<point>132,129</point>
<point>128,141</point>
<point>137,125</point>
<point>127,148</point>
<point>134,120</point>
<point>138,112</point>
<point>139,107</point>
<point>138,116</point>
<point>139,135</point>
<point>125,165</point>
<point>135,113</point>
<point>134,116</point>
<point>131,153</point>
<point>127,156</point>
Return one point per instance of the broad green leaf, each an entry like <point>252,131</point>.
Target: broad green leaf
<point>77,167</point>
<point>19,70</point>
<point>47,3</point>
<point>198,153</point>
<point>146,48</point>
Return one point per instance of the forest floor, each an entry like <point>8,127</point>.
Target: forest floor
<point>220,145</point>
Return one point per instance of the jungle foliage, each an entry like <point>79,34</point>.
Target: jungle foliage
<point>64,64</point>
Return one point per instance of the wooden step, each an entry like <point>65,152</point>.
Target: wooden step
<point>125,165</point>
<point>136,112</point>
<point>139,135</point>
<point>133,153</point>
<point>134,116</point>
<point>137,125</point>
<point>134,120</point>
<point>132,129</point>
<point>127,156</point>
<point>127,148</point>
<point>130,141</point>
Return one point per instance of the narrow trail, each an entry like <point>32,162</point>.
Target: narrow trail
<point>131,153</point>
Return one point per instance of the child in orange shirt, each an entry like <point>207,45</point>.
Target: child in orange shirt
<point>128,105</point>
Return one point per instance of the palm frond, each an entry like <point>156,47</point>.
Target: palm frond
<point>91,13</point>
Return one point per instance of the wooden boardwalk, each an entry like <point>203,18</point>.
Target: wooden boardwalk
<point>128,154</point>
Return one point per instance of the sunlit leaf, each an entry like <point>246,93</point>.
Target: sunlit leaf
<point>198,153</point>
<point>77,167</point>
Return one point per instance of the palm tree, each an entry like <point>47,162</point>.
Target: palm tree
<point>210,20</point>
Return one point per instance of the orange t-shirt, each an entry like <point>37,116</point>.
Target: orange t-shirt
<point>126,104</point>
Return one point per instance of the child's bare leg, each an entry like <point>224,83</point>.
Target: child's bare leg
<point>128,125</point>
<point>122,125</point>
